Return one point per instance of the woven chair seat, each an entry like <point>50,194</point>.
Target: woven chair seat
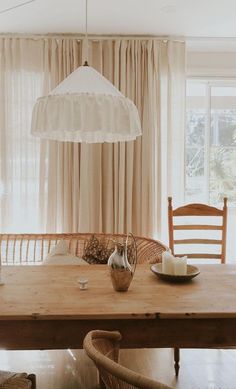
<point>10,380</point>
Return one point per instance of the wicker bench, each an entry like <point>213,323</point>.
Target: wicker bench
<point>31,249</point>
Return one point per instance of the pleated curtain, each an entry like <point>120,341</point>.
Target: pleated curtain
<point>104,187</point>
<point>21,82</point>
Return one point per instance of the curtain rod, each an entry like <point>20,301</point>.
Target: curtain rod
<point>212,78</point>
<point>210,39</point>
<point>173,38</point>
<point>92,36</point>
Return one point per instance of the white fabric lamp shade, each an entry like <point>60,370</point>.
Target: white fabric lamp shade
<point>86,107</point>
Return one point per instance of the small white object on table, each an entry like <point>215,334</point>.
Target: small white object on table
<point>173,265</point>
<point>83,283</point>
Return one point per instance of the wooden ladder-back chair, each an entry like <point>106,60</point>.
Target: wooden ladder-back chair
<point>200,210</point>
<point>197,210</point>
<point>103,348</point>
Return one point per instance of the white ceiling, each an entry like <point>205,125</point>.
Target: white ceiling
<point>198,18</point>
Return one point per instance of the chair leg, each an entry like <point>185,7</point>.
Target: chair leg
<point>32,378</point>
<point>176,359</point>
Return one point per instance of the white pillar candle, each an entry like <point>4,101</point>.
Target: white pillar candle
<point>167,263</point>
<point>180,266</point>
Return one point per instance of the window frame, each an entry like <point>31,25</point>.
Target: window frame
<point>209,83</point>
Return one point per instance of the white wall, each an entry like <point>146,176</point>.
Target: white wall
<point>211,59</point>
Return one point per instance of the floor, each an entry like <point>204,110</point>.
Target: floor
<point>71,369</point>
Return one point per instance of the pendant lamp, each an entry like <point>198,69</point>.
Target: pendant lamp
<point>86,107</point>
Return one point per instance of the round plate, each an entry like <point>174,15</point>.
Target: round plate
<point>192,271</point>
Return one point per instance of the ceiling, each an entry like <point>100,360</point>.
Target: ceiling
<point>201,18</point>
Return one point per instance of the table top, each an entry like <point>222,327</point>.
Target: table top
<point>53,293</point>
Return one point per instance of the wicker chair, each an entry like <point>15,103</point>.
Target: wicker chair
<point>103,348</point>
<point>10,380</point>
<point>17,249</point>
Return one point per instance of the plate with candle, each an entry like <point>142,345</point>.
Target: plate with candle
<point>174,269</point>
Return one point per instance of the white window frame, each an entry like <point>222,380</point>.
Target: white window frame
<point>209,82</point>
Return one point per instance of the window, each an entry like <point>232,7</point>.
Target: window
<point>210,142</point>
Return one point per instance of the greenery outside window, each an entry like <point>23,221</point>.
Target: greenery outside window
<point>210,142</point>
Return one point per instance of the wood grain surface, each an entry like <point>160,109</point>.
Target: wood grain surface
<point>52,293</point>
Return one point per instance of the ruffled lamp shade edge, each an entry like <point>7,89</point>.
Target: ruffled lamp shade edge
<point>86,117</point>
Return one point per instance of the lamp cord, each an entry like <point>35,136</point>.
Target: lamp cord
<point>16,6</point>
<point>86,34</point>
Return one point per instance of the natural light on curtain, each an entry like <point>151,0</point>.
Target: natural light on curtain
<point>21,82</point>
<point>24,76</point>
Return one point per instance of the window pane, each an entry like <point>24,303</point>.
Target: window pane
<point>196,116</point>
<point>223,144</point>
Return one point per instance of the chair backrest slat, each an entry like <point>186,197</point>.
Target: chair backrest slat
<point>202,255</point>
<point>197,241</point>
<point>197,227</point>
<point>197,210</point>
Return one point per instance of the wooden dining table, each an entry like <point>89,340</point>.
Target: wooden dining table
<point>43,307</point>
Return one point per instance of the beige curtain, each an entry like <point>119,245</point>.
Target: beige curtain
<point>25,74</point>
<point>124,179</point>
<point>21,76</point>
<point>170,163</point>
<point>106,187</point>
<point>60,163</point>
